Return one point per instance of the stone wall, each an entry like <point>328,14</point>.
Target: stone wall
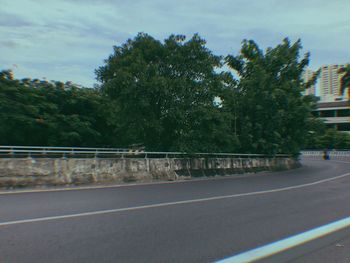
<point>64,171</point>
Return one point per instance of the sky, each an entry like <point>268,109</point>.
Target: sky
<point>67,40</point>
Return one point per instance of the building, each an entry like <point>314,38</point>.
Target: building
<point>329,83</point>
<point>307,76</point>
<point>335,114</point>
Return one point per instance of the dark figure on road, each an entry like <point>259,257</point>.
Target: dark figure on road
<point>325,155</point>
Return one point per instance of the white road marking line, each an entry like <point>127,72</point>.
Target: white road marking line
<point>171,203</point>
<point>287,243</point>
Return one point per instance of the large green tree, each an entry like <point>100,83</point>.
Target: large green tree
<point>273,116</point>
<point>34,112</point>
<point>164,94</point>
<point>170,96</point>
<point>329,139</point>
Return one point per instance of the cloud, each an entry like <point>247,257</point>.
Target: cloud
<point>12,20</point>
<point>69,39</point>
<point>8,43</point>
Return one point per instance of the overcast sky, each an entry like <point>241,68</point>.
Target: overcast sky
<point>67,40</point>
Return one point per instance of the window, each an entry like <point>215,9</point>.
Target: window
<point>327,113</point>
<point>343,126</point>
<point>343,113</point>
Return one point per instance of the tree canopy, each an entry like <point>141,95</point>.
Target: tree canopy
<point>273,115</point>
<point>171,95</point>
<point>164,94</point>
<point>34,112</point>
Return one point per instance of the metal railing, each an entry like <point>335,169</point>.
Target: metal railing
<point>85,152</point>
<point>333,154</point>
<point>62,148</point>
<point>47,151</point>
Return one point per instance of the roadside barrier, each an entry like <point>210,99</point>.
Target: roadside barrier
<point>333,154</point>
<point>84,152</point>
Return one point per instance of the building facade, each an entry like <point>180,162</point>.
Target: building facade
<point>335,114</point>
<point>307,76</point>
<point>329,83</point>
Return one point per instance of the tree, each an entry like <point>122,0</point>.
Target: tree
<point>345,79</point>
<point>316,131</point>
<point>332,139</point>
<point>169,96</point>
<point>273,115</point>
<point>17,111</point>
<point>163,94</point>
<point>34,112</point>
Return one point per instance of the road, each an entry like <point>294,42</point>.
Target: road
<point>192,221</point>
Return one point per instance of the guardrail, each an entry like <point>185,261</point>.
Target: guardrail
<point>82,152</point>
<point>43,148</point>
<point>333,154</point>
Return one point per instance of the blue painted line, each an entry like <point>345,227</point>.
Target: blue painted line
<point>287,243</point>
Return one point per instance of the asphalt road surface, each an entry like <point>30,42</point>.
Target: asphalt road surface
<point>192,221</point>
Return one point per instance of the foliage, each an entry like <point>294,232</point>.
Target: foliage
<point>345,79</point>
<point>164,94</point>
<point>329,139</point>
<point>34,112</point>
<point>273,116</point>
<point>170,96</point>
